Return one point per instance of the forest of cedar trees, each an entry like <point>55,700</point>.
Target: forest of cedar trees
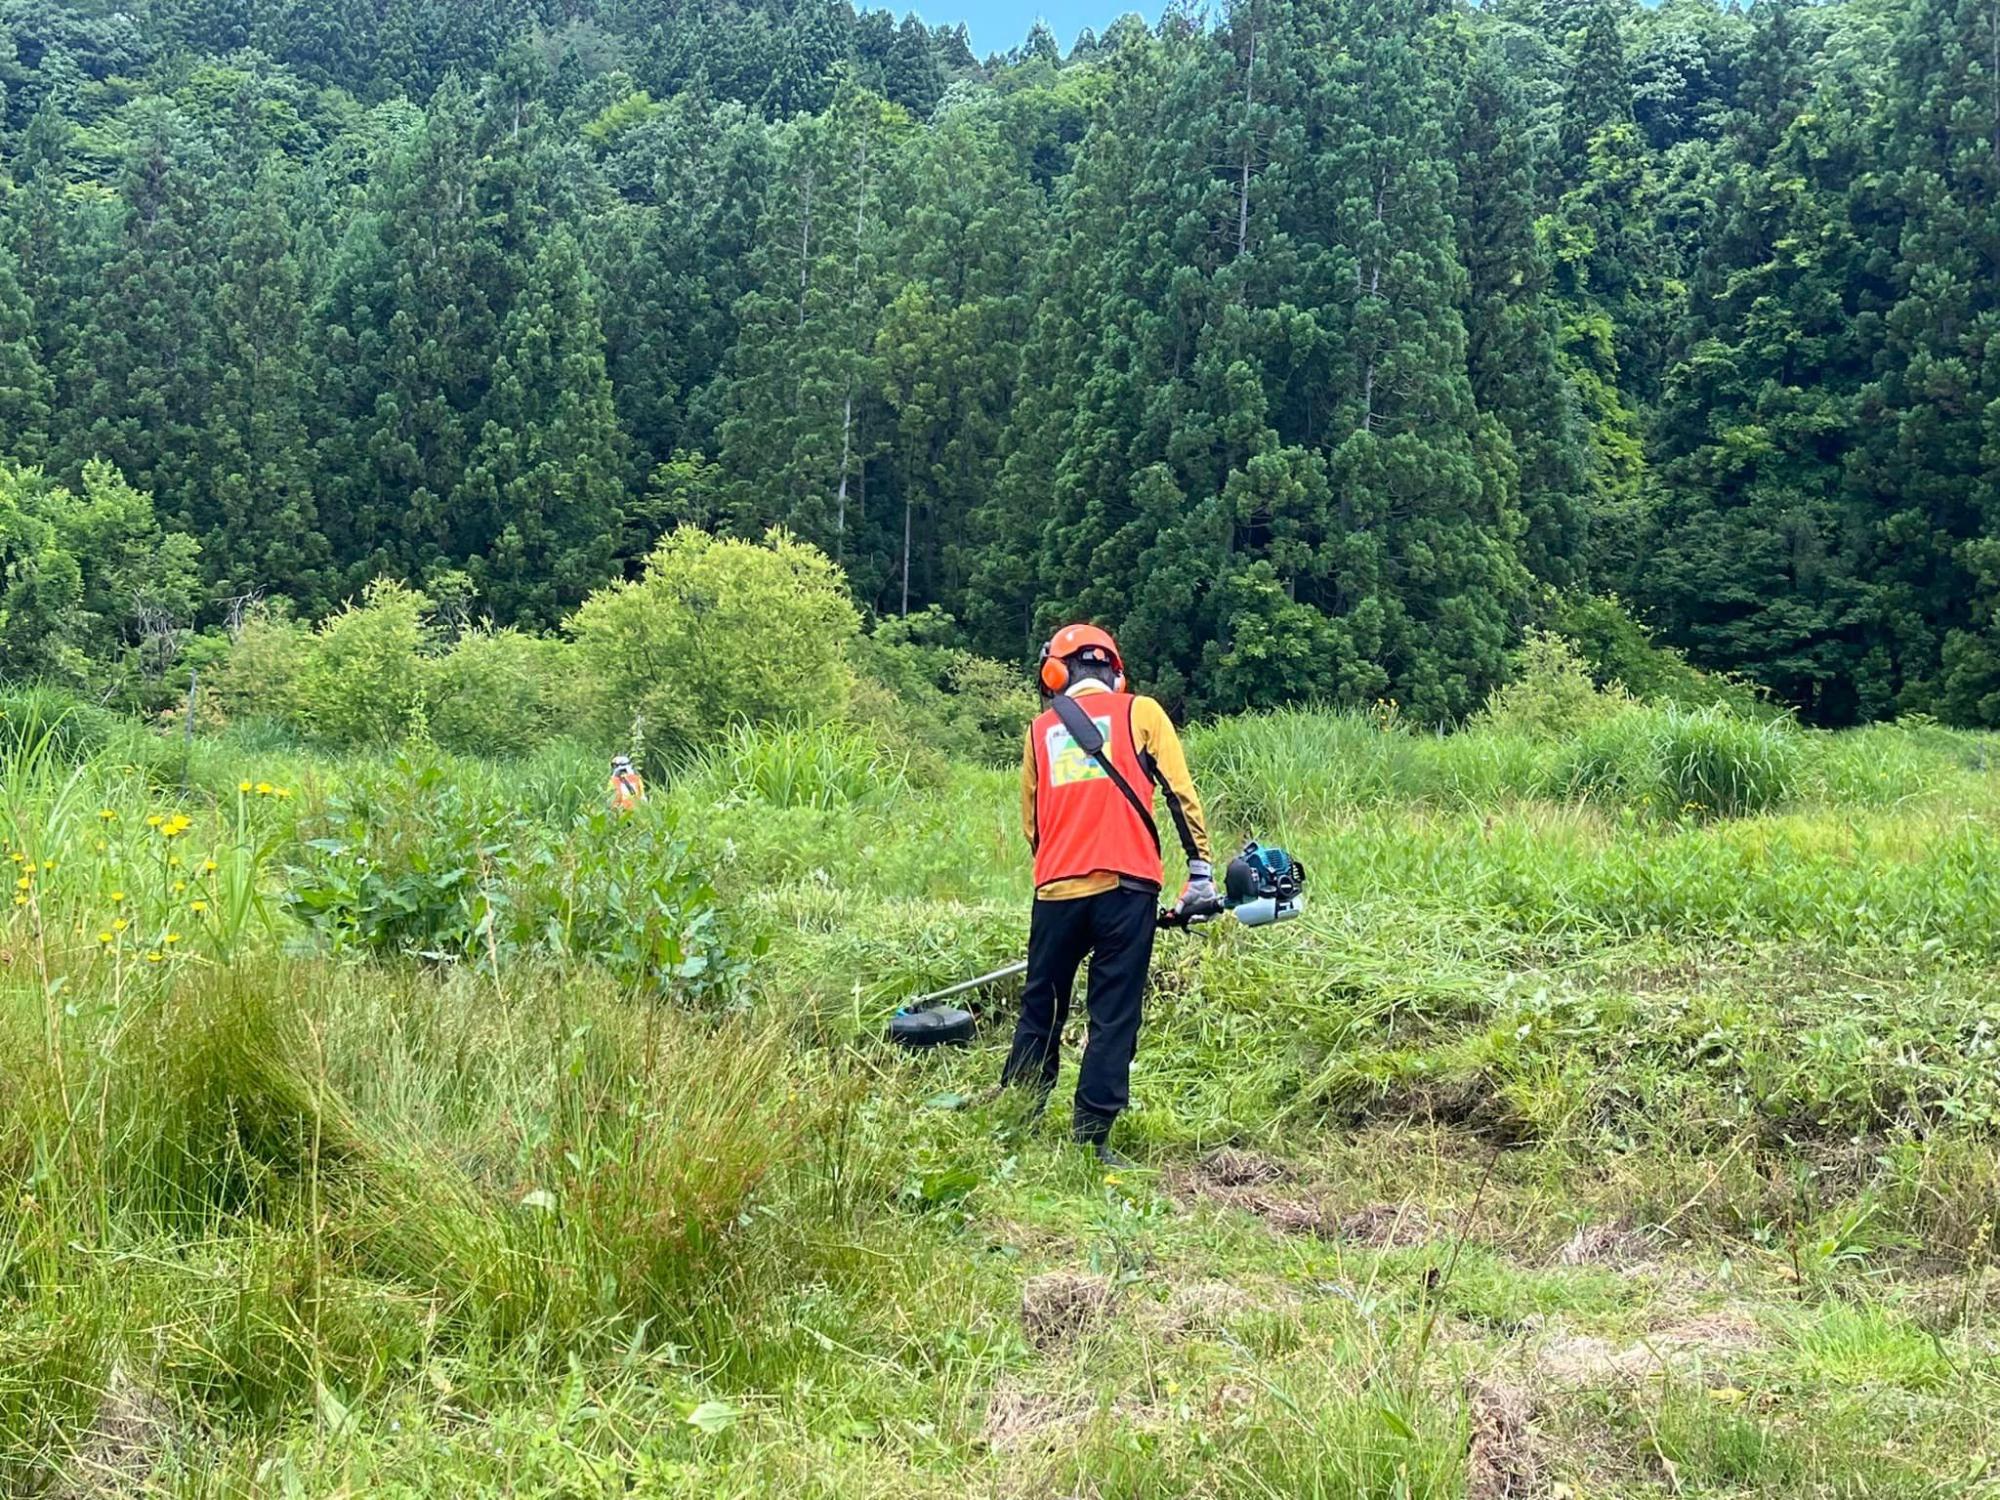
<point>1320,348</point>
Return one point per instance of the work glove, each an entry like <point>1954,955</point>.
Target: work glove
<point>1199,897</point>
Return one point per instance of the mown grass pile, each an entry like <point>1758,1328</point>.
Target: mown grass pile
<point>1619,1120</point>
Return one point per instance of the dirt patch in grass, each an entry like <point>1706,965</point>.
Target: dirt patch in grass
<point>1230,1168</point>
<point>1573,1361</point>
<point>122,1446</point>
<point>1027,1422</point>
<point>1387,1226</point>
<point>1947,1304</point>
<point>1270,1190</point>
<point>1608,1245</point>
<point>1503,1458</point>
<point>1201,1308</point>
<point>1060,1307</point>
<point>1245,1180</point>
<point>1719,1331</point>
<point>1229,1398</point>
<point>1024,1421</point>
<point>1036,1243</point>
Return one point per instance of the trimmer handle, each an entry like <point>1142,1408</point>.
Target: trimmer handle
<point>1171,917</point>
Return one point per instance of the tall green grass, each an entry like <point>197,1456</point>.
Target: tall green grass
<point>1292,766</point>
<point>47,721</point>
<point>813,766</point>
<point>416,1217</point>
<point>1673,762</point>
<point>382,1175</point>
<point>1300,766</point>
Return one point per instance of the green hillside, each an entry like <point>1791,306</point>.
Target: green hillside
<point>1319,348</point>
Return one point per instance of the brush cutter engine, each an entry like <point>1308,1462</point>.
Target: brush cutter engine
<point>1264,886</point>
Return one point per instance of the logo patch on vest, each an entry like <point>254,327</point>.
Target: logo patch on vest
<point>1067,762</point>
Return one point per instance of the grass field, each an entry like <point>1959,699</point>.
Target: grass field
<point>1619,1120</point>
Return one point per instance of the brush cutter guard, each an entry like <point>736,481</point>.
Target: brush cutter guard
<point>939,1026</point>
<point>1263,885</point>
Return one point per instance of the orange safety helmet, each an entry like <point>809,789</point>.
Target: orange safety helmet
<point>1077,640</point>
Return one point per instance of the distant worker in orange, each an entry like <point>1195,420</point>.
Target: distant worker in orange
<point>1088,773</point>
<point>628,788</point>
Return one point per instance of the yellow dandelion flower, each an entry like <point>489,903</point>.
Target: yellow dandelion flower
<point>154,820</point>
<point>173,862</point>
<point>117,895</point>
<point>208,867</point>
<point>104,937</point>
<point>173,937</point>
<point>180,886</point>
<point>119,925</point>
<point>197,907</point>
<point>284,791</point>
<point>107,814</point>
<point>48,864</point>
<point>23,883</point>
<point>242,786</point>
<point>154,957</point>
<point>264,789</point>
<point>20,900</point>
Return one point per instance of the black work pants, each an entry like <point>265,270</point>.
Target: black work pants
<point>1115,929</point>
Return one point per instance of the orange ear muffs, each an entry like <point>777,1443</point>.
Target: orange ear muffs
<point>1055,673</point>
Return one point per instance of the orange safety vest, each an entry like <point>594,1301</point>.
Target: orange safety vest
<point>1083,823</point>
<point>627,792</point>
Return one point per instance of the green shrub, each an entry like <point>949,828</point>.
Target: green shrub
<point>356,679</point>
<point>1271,771</point>
<point>362,681</point>
<point>558,782</point>
<point>1621,650</point>
<point>1676,762</point>
<point>259,679</point>
<point>1551,694</point>
<point>423,860</point>
<point>501,693</point>
<point>1909,760</point>
<point>94,593</point>
<point>719,630</point>
<point>927,692</point>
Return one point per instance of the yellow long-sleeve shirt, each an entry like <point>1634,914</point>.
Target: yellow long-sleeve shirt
<point>1159,749</point>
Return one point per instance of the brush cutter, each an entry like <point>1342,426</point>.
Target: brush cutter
<point>1261,886</point>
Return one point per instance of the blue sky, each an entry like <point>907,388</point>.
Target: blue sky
<point>997,25</point>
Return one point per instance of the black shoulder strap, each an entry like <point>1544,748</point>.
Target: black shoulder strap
<point>1084,731</point>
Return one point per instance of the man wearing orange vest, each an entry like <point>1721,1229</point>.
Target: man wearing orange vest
<point>628,789</point>
<point>1088,773</point>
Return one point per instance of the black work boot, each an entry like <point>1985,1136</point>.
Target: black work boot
<point>1112,1159</point>
<point>1094,1131</point>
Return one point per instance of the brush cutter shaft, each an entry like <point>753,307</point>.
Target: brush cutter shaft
<point>1167,919</point>
<point>1264,886</point>
<point>967,984</point>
